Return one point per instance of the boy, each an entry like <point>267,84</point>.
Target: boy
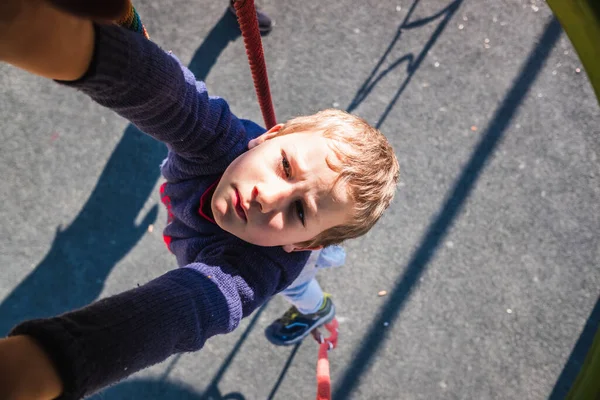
<point>310,306</point>
<point>244,206</point>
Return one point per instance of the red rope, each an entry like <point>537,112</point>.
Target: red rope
<point>323,377</point>
<point>246,14</point>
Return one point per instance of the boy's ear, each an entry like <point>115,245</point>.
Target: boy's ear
<point>265,136</point>
<point>292,247</point>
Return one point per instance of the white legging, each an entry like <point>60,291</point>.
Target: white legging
<point>305,293</point>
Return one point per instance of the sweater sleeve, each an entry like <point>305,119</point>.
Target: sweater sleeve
<point>152,89</point>
<point>114,337</point>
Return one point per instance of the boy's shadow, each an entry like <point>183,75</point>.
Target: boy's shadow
<point>82,255</point>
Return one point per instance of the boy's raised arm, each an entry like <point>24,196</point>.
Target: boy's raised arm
<point>138,80</point>
<point>125,72</point>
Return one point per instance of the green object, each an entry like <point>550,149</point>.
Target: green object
<point>581,21</point>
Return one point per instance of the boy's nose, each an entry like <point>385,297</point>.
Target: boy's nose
<point>271,197</point>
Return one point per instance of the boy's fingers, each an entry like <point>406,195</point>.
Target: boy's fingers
<point>107,10</point>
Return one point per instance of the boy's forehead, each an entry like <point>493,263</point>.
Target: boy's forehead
<point>314,152</point>
<point>312,142</point>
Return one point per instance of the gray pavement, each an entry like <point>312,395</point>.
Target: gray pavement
<point>490,254</point>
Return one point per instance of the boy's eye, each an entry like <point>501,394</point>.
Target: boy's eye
<point>286,166</point>
<point>297,204</point>
<point>300,211</point>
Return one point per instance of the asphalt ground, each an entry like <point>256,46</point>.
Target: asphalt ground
<point>490,254</point>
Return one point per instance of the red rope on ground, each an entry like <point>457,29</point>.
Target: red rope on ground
<point>246,14</point>
<point>323,377</point>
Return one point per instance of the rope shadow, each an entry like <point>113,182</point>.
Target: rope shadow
<point>212,392</point>
<point>413,63</point>
<point>452,206</point>
<point>283,373</point>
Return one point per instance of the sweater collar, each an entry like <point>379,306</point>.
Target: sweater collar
<point>204,209</point>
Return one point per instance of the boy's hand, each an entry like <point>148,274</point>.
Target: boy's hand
<point>39,38</point>
<point>26,372</point>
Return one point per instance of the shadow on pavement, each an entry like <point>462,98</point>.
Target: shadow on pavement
<point>284,371</point>
<point>82,255</point>
<point>226,30</point>
<point>455,200</point>
<point>212,392</point>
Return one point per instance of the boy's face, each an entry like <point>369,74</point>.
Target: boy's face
<point>281,192</point>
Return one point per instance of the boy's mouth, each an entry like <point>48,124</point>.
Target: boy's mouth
<point>237,204</point>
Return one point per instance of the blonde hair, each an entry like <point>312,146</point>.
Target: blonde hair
<point>367,165</point>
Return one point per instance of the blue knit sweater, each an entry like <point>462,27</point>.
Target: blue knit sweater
<point>221,278</point>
